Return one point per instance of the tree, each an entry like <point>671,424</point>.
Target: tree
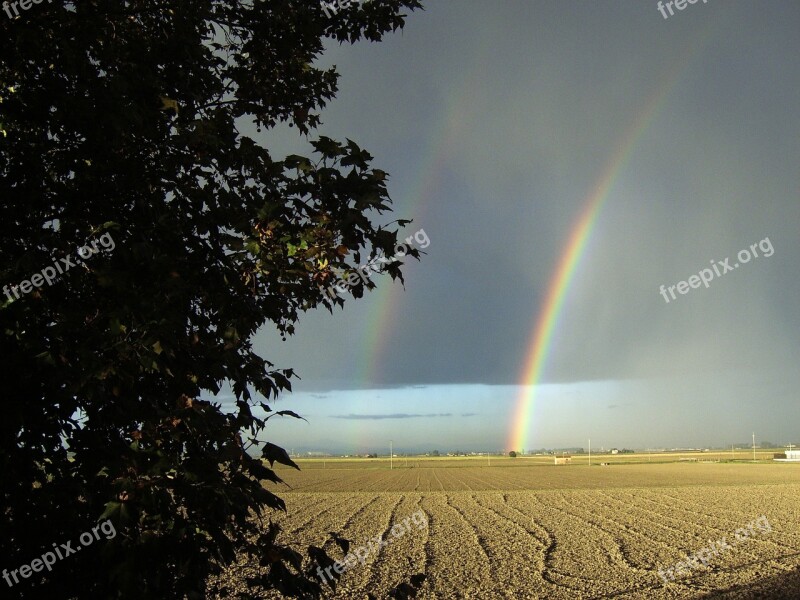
<point>512,454</point>
<point>121,130</point>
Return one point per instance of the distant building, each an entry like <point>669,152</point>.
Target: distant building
<point>788,456</point>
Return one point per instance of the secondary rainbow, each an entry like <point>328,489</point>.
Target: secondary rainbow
<point>558,286</point>
<point>458,114</point>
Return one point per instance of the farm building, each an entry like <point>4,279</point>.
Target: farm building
<point>562,460</point>
<point>788,456</point>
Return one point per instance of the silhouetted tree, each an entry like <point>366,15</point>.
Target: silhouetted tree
<point>122,121</point>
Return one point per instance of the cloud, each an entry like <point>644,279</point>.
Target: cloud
<point>620,405</point>
<point>392,416</point>
<point>469,414</point>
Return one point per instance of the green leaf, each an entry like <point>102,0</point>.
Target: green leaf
<point>112,509</point>
<point>116,327</point>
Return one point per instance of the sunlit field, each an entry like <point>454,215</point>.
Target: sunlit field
<point>525,528</point>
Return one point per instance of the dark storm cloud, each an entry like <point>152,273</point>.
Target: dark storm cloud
<point>496,122</point>
<point>394,416</point>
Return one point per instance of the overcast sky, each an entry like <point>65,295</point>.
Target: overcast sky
<point>496,120</point>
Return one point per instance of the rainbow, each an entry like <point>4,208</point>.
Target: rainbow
<point>458,115</point>
<point>384,310</point>
<point>558,286</point>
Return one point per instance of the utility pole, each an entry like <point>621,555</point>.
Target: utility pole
<point>590,452</point>
<point>391,456</point>
<point>754,446</point>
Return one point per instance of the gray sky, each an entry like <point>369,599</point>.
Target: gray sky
<point>496,120</point>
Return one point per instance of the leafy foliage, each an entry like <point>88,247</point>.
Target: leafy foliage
<point>123,118</point>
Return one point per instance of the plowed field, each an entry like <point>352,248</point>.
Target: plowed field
<point>554,532</point>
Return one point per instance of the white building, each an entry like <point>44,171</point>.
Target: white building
<point>788,456</point>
